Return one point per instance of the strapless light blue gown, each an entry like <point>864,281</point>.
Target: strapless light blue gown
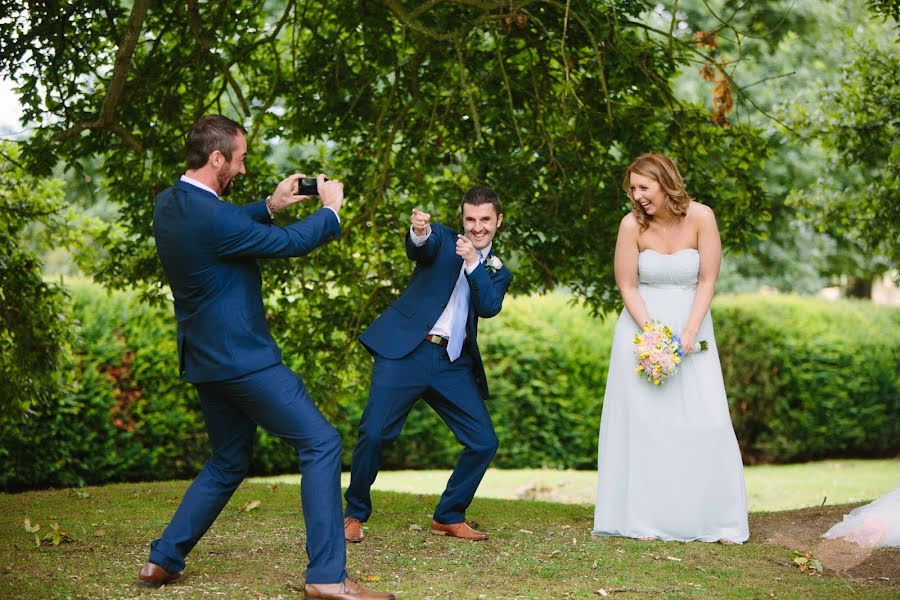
<point>669,465</point>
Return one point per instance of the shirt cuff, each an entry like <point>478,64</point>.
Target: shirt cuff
<point>472,268</point>
<point>335,213</point>
<point>419,240</point>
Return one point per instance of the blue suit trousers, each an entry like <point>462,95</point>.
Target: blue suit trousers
<point>276,399</point>
<point>451,390</point>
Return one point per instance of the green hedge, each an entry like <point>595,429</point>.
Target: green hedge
<point>806,379</point>
<point>810,379</point>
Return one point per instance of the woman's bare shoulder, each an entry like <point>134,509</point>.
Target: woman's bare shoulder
<point>629,223</point>
<point>700,213</point>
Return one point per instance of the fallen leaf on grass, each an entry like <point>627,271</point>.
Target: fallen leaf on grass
<point>415,527</point>
<point>31,528</point>
<point>807,563</point>
<point>371,578</point>
<point>55,536</point>
<point>673,558</point>
<point>526,531</point>
<point>601,592</point>
<point>100,533</point>
<point>252,505</point>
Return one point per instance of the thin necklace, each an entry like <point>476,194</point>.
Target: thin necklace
<point>667,227</point>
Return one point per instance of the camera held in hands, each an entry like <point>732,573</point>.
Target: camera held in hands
<point>309,186</point>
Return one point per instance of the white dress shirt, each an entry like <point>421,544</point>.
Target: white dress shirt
<point>196,183</point>
<point>442,326</point>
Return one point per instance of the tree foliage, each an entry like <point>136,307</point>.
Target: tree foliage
<point>805,63</point>
<point>33,312</point>
<point>408,103</point>
<point>856,198</point>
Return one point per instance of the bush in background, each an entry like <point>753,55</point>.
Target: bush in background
<point>806,379</point>
<point>810,379</point>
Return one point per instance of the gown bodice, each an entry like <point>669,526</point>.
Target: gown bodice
<point>679,269</point>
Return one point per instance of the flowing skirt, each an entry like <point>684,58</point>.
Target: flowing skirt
<point>669,466</point>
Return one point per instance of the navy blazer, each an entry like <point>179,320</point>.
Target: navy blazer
<point>404,325</point>
<point>208,250</point>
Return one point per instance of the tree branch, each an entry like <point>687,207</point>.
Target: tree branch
<point>405,18</point>
<point>464,82</point>
<point>123,59</point>
<point>117,83</point>
<point>509,96</point>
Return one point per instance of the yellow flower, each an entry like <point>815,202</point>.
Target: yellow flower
<point>639,368</point>
<point>648,326</point>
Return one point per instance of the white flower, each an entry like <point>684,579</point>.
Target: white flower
<point>493,263</point>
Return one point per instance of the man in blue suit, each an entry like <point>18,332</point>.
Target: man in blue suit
<point>426,346</point>
<point>209,250</point>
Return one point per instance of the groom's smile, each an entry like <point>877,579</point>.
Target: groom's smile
<point>480,223</point>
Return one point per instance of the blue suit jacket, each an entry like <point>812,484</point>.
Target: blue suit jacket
<point>208,250</point>
<point>404,325</point>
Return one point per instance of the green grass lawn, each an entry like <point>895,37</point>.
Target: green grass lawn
<point>769,487</point>
<point>537,549</point>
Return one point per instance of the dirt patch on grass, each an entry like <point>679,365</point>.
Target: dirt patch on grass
<point>802,530</point>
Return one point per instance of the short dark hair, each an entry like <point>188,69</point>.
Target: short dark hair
<point>481,194</point>
<point>211,133</point>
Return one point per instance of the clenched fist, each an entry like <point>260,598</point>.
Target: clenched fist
<point>420,222</point>
<point>466,249</point>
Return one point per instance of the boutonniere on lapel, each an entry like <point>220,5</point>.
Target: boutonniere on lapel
<point>492,264</point>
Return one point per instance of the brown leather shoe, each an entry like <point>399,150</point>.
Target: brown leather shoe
<point>345,590</point>
<point>460,530</point>
<point>154,576</point>
<point>353,530</point>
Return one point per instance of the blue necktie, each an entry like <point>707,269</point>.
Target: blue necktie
<point>460,315</point>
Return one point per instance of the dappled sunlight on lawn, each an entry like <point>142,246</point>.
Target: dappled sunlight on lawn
<point>769,487</point>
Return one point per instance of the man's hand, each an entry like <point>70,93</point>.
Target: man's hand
<point>420,221</point>
<point>466,249</point>
<point>284,194</point>
<point>331,192</point>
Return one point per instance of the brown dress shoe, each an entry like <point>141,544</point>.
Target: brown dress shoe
<point>460,530</point>
<point>345,590</point>
<point>353,530</point>
<point>154,576</point>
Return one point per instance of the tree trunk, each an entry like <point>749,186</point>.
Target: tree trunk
<point>859,287</point>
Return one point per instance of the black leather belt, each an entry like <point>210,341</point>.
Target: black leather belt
<point>437,339</point>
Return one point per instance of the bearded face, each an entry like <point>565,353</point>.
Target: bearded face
<point>231,169</point>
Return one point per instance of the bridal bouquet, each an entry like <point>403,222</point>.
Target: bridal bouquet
<point>659,352</point>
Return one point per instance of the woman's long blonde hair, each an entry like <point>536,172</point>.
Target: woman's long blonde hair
<point>661,169</point>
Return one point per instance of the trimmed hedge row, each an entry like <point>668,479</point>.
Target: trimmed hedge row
<point>806,379</point>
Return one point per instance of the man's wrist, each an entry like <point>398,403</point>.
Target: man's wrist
<point>335,211</point>
<point>418,239</point>
<point>270,206</point>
